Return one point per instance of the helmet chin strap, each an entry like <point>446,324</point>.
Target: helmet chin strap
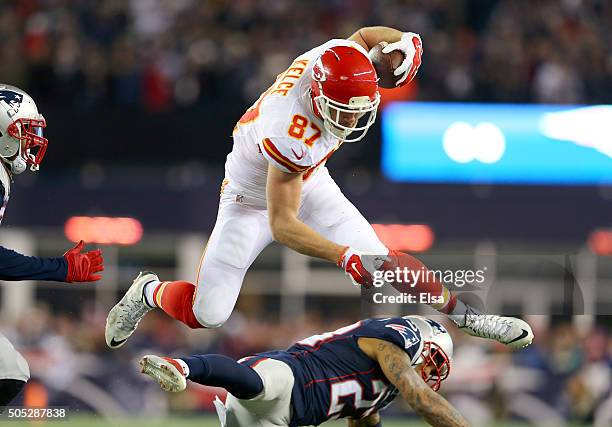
<point>18,165</point>
<point>313,104</point>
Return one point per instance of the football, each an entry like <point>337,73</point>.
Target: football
<point>385,64</point>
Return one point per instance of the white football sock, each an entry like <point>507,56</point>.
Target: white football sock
<point>458,313</point>
<point>184,366</point>
<point>149,289</point>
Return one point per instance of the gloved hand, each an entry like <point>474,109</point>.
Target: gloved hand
<point>82,266</point>
<point>411,46</point>
<point>360,267</point>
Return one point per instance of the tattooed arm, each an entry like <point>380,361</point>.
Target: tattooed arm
<point>372,420</point>
<point>396,366</point>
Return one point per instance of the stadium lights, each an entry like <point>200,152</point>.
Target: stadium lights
<point>405,237</point>
<point>103,230</point>
<point>600,242</point>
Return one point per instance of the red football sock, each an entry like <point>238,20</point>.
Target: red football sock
<point>176,299</point>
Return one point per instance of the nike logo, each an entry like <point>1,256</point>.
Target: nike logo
<point>520,337</point>
<point>296,154</point>
<point>114,343</point>
<point>354,267</point>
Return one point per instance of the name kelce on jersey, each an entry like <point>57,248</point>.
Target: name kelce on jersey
<point>281,87</point>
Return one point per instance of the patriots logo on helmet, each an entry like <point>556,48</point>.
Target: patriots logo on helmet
<point>13,99</point>
<point>438,329</point>
<point>408,334</point>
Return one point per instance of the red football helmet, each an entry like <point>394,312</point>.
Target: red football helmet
<point>344,91</point>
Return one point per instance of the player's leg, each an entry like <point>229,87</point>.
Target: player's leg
<point>213,370</point>
<point>272,407</point>
<point>14,372</point>
<point>329,212</point>
<point>239,235</point>
<point>258,394</point>
<point>9,389</point>
<point>243,233</point>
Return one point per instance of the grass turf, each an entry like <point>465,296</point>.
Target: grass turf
<point>203,421</point>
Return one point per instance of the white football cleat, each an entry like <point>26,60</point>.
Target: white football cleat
<point>513,332</point>
<point>167,372</point>
<point>124,317</point>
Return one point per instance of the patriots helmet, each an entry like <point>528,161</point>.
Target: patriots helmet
<point>436,351</point>
<point>21,130</point>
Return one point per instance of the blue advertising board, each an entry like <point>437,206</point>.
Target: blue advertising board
<point>497,143</point>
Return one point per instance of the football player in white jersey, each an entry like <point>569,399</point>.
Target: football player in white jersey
<point>22,146</point>
<point>277,187</point>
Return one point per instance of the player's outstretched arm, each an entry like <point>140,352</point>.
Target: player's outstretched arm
<point>396,366</point>
<point>283,194</point>
<point>372,420</point>
<point>73,266</point>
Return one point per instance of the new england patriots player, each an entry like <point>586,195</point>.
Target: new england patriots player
<point>21,145</point>
<point>277,187</point>
<point>352,373</point>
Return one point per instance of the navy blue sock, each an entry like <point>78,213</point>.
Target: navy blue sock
<point>221,371</point>
<point>9,389</point>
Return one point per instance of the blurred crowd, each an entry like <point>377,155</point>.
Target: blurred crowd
<point>565,376</point>
<point>159,55</point>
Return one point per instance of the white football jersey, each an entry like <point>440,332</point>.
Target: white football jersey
<point>282,129</point>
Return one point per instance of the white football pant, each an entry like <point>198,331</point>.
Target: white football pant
<point>12,364</point>
<point>271,408</point>
<point>242,232</point>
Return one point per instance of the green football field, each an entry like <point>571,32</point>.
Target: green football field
<point>204,421</point>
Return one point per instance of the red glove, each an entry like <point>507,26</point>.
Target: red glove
<point>82,266</point>
<point>360,267</point>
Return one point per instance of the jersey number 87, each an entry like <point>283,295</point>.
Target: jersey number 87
<point>298,127</point>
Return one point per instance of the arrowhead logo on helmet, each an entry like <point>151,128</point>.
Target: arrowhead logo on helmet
<point>344,91</point>
<point>318,71</point>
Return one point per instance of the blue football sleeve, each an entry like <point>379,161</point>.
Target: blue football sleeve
<point>397,330</point>
<point>15,266</point>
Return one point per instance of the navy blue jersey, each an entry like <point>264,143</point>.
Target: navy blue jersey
<point>15,266</point>
<point>334,378</point>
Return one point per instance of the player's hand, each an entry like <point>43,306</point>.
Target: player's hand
<point>411,46</point>
<point>83,266</point>
<point>360,267</point>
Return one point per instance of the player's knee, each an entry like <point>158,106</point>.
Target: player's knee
<point>211,317</point>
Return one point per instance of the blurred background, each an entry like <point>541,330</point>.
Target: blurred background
<point>498,155</point>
